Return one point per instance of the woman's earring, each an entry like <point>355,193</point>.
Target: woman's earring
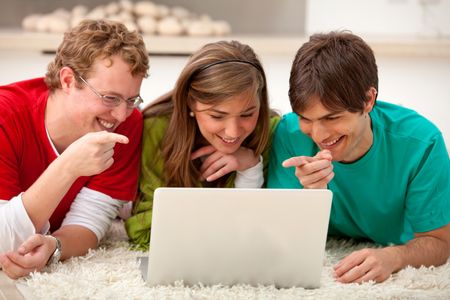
<point>191,114</point>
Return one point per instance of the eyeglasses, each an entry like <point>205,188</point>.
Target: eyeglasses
<point>112,100</point>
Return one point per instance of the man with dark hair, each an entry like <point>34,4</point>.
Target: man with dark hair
<point>70,147</point>
<point>387,166</point>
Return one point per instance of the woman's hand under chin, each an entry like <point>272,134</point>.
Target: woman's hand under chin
<point>218,164</point>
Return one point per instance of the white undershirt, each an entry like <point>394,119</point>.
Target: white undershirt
<point>91,209</point>
<point>252,177</point>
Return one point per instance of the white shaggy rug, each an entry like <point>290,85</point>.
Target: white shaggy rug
<point>112,272</point>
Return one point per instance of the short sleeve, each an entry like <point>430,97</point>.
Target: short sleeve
<point>428,194</point>
<point>9,165</point>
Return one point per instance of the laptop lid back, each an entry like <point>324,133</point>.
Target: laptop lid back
<point>230,236</point>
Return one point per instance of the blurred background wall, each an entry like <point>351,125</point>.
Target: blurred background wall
<point>413,50</point>
<point>246,16</point>
<point>418,18</point>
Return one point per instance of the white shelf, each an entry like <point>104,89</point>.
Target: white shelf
<point>179,45</point>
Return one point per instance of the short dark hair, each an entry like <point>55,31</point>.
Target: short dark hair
<point>337,67</point>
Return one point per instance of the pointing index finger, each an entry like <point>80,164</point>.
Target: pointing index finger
<point>111,137</point>
<point>296,161</point>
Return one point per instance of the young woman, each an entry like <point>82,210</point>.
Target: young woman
<point>212,130</point>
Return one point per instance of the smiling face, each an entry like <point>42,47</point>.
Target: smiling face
<point>75,109</point>
<point>86,109</point>
<point>347,135</point>
<point>226,125</point>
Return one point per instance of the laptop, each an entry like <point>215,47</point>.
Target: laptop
<point>230,236</point>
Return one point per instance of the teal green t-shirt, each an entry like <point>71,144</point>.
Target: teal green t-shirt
<point>400,186</point>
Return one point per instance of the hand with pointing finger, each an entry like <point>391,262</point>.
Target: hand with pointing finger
<point>92,153</point>
<point>312,172</point>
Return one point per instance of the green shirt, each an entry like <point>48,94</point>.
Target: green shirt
<point>152,177</point>
<point>400,186</point>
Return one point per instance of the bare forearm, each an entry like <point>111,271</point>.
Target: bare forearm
<point>75,240</point>
<point>422,251</point>
<point>426,249</point>
<point>42,198</point>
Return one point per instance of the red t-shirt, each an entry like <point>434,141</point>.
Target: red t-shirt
<point>25,150</point>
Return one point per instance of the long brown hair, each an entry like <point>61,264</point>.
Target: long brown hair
<point>212,75</point>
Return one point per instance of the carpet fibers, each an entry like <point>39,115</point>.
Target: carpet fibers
<point>112,272</point>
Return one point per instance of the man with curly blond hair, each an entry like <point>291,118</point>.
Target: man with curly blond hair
<point>70,147</point>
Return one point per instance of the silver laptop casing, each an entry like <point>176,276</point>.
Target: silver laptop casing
<point>231,236</point>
